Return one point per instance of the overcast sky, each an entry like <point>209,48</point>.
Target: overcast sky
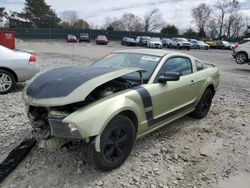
<point>176,12</point>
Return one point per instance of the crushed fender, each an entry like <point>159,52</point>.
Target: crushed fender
<point>15,157</point>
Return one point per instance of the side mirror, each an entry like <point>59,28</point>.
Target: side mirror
<point>169,76</point>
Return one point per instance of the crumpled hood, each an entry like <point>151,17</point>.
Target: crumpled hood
<point>68,85</point>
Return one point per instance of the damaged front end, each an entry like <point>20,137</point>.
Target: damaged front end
<point>47,118</point>
<point>50,97</point>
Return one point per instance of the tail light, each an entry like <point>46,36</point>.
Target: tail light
<point>32,59</point>
<point>236,46</point>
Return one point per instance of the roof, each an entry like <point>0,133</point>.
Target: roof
<point>156,52</point>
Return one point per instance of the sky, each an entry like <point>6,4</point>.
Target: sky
<point>176,12</point>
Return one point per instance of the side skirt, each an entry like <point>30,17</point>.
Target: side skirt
<point>165,123</point>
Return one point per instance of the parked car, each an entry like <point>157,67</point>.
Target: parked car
<point>241,53</point>
<point>71,38</point>
<point>223,45</point>
<point>15,66</point>
<point>101,39</point>
<point>193,43</point>
<point>144,40</point>
<point>84,37</point>
<point>120,98</point>
<point>181,43</point>
<point>155,43</point>
<point>138,38</point>
<point>211,43</point>
<point>202,45</point>
<point>128,41</point>
<point>167,42</point>
<point>234,45</point>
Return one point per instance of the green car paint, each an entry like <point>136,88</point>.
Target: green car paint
<point>169,101</point>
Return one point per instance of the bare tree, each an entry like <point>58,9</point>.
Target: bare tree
<point>239,25</point>
<point>211,28</point>
<point>70,17</point>
<point>131,22</point>
<point>114,24</point>
<point>233,9</point>
<point>222,7</point>
<point>201,15</point>
<point>153,20</point>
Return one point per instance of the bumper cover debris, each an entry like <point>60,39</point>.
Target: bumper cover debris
<point>15,157</point>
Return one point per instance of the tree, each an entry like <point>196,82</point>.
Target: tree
<point>39,14</point>
<point>190,33</point>
<point>201,15</point>
<point>153,20</point>
<point>3,13</point>
<point>70,17</point>
<point>222,7</point>
<point>211,28</point>
<point>113,24</point>
<point>234,7</point>
<point>131,22</point>
<point>81,24</point>
<point>170,30</point>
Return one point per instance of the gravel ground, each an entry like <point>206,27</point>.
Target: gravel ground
<point>212,152</point>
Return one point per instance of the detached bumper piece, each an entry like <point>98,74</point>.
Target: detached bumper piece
<point>63,130</point>
<point>15,157</point>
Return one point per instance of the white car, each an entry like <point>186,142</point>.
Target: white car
<point>241,52</point>
<point>15,66</point>
<point>155,43</point>
<point>181,43</point>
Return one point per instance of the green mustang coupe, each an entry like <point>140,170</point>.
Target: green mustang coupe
<point>120,98</point>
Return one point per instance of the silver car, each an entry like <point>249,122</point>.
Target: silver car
<point>15,66</point>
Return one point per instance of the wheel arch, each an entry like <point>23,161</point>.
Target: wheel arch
<point>11,71</point>
<point>243,53</point>
<point>132,116</point>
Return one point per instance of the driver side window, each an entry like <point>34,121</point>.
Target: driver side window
<point>181,65</point>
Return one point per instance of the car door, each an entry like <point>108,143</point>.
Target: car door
<point>173,97</point>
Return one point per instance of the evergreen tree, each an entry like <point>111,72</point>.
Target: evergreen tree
<point>170,30</point>
<point>39,14</point>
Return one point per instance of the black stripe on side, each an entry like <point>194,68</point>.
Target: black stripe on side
<point>147,101</point>
<point>166,116</point>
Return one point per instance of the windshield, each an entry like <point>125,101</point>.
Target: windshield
<point>126,60</point>
<point>182,40</point>
<point>102,37</point>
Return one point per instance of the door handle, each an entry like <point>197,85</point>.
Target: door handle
<point>192,82</point>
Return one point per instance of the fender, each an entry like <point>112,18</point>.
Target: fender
<point>212,80</point>
<point>92,119</point>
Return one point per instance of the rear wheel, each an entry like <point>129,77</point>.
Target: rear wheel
<point>241,58</point>
<point>116,143</point>
<point>204,105</point>
<point>7,82</point>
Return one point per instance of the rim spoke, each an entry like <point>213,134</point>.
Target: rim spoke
<point>109,152</point>
<point>109,142</point>
<point>123,138</point>
<point>119,151</point>
<point>117,133</point>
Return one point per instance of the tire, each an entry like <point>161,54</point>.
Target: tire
<point>188,48</point>
<point>116,143</point>
<point>241,58</point>
<point>203,106</point>
<point>7,82</point>
<point>178,47</point>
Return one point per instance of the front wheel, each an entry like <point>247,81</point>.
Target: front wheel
<point>204,105</point>
<point>7,82</point>
<point>116,143</point>
<point>241,58</point>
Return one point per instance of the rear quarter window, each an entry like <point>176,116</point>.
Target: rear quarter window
<point>199,65</point>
